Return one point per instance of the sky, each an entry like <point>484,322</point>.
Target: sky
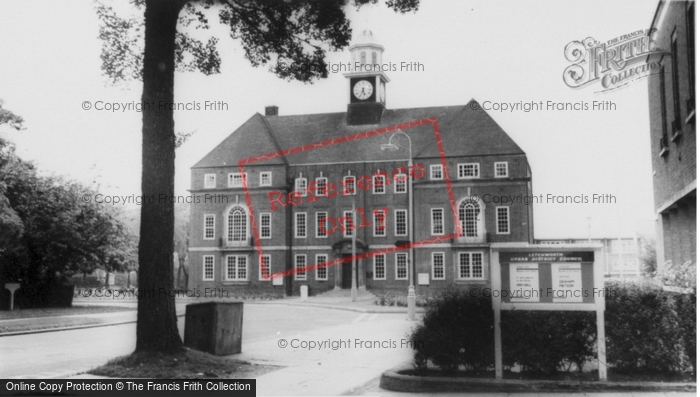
<point>493,52</point>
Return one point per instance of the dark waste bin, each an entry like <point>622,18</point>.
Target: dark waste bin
<point>214,327</point>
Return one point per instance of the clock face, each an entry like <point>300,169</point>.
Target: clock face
<point>362,90</point>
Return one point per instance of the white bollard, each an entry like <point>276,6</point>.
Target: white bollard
<point>304,289</point>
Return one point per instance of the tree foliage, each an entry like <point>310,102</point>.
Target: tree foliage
<point>277,33</point>
<point>63,231</point>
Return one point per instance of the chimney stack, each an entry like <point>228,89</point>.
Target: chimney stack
<point>271,110</point>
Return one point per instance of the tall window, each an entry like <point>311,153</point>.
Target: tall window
<point>437,225</point>
<point>300,186</point>
<point>438,266</point>
<point>235,179</point>
<point>321,183</point>
<point>470,265</point>
<point>374,57</point>
<point>468,170</point>
<point>379,184</point>
<point>349,185</point>
<point>501,169</point>
<point>237,225</point>
<point>676,85</point>
<point>401,266</point>
<point>265,225</point>
<point>502,220</point>
<point>209,220</point>
<point>208,268</point>
<point>380,267</point>
<point>400,222</point>
<point>348,224</point>
<point>300,267</point>
<point>380,222</point>
<point>363,57</point>
<point>469,217</point>
<point>300,224</point>
<point>236,267</point>
<point>664,117</point>
<point>209,181</point>
<point>266,178</point>
<point>265,268</point>
<point>322,224</point>
<point>400,181</point>
<point>436,172</point>
<point>321,269</point>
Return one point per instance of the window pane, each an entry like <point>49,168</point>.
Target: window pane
<point>400,223</point>
<point>468,216</point>
<point>401,266</point>
<point>237,224</point>
<point>380,266</point>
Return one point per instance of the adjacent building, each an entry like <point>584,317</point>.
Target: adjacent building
<point>298,208</point>
<point>673,144</point>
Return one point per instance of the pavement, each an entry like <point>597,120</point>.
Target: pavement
<point>324,345</point>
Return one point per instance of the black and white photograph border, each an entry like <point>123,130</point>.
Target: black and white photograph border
<point>351,197</point>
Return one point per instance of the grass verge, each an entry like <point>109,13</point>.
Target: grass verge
<point>187,364</point>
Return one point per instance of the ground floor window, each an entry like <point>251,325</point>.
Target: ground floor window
<point>265,268</point>
<point>236,267</point>
<point>438,266</point>
<point>402,266</point>
<point>380,267</point>
<point>208,268</point>
<point>471,265</point>
<point>321,269</point>
<point>300,267</point>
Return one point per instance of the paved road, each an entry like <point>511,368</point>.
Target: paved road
<point>56,354</point>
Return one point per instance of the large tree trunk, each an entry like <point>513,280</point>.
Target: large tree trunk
<point>156,328</point>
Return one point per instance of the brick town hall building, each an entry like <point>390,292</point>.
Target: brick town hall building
<point>482,161</point>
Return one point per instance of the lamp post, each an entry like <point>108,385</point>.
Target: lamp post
<point>411,299</point>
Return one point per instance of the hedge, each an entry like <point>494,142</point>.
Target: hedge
<point>647,330</point>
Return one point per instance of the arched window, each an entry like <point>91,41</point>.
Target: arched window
<point>237,224</point>
<point>374,58</point>
<point>363,57</point>
<point>469,216</point>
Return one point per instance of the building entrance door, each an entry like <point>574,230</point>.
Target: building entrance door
<point>347,273</point>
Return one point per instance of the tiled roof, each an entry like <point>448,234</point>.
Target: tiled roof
<point>465,132</point>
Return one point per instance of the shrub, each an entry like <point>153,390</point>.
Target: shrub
<point>457,330</point>
<point>545,341</point>
<point>643,330</point>
<point>686,307</point>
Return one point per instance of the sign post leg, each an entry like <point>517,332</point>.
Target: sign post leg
<point>602,362</point>
<point>497,342</point>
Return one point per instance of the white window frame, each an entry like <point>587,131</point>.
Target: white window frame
<point>204,268</point>
<point>462,171</point>
<point>318,261</point>
<point>396,222</point>
<point>495,169</point>
<point>437,167</point>
<point>398,182</point>
<point>297,275</point>
<point>263,174</point>
<point>236,268</point>
<point>211,185</point>
<point>212,228</point>
<point>320,188</point>
<point>296,225</point>
<point>432,221</point>
<point>269,267</point>
<point>345,232</point>
<point>374,267</point>
<point>246,217</point>
<point>498,228</point>
<point>470,255</point>
<point>318,224</point>
<point>354,185</point>
<point>269,226</point>
<point>232,179</point>
<point>396,265</point>
<point>374,223</point>
<point>297,188</point>
<point>377,186</point>
<point>432,266</point>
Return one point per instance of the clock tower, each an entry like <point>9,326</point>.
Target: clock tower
<point>367,81</point>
